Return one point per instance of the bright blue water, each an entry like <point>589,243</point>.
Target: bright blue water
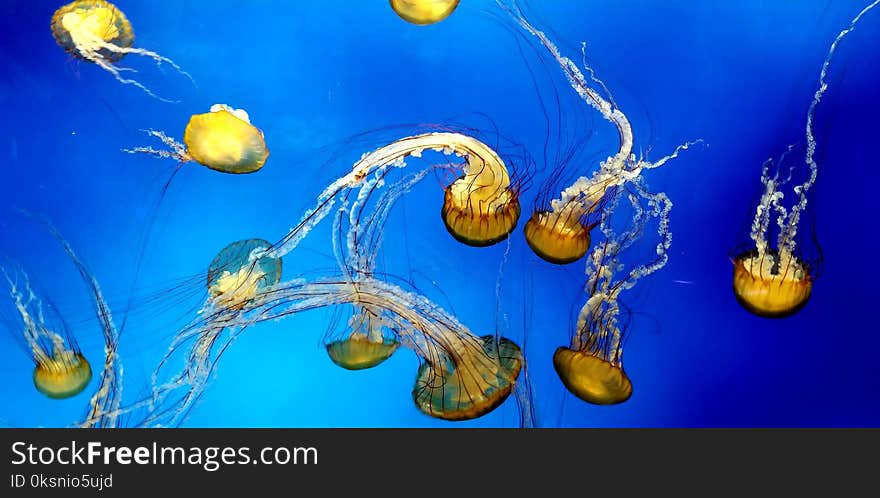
<point>739,75</point>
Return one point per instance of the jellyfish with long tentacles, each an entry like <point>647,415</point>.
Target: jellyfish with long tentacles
<point>222,139</point>
<point>62,371</point>
<point>561,234</point>
<point>771,279</point>
<point>424,12</point>
<point>98,32</point>
<point>463,375</point>
<point>592,367</point>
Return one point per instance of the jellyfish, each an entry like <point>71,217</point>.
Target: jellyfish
<point>233,278</point>
<point>98,32</point>
<point>561,234</point>
<point>591,368</point>
<point>442,390</point>
<point>423,12</point>
<point>773,279</point>
<point>222,139</point>
<point>61,370</point>
<point>369,342</point>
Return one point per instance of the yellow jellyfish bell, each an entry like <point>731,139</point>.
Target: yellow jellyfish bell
<point>423,12</point>
<point>90,28</point>
<point>592,378</point>
<point>771,286</point>
<point>557,238</point>
<point>63,375</point>
<point>468,384</point>
<point>360,351</point>
<point>98,32</point>
<point>367,345</point>
<point>224,139</point>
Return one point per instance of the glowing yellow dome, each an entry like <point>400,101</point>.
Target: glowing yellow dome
<point>590,378</point>
<point>424,12</point>
<point>225,140</point>
<point>63,375</point>
<point>771,286</point>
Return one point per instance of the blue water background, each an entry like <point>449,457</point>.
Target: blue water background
<point>738,75</point>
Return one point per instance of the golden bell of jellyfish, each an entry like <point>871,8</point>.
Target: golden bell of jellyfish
<point>771,287</point>
<point>591,378</point>
<point>366,346</point>
<point>557,237</point>
<point>359,351</point>
<point>85,28</point>
<point>423,12</point>
<point>63,375</point>
<point>225,140</point>
<point>481,208</point>
<point>472,385</point>
<point>233,279</point>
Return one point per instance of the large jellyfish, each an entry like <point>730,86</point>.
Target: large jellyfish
<point>462,375</point>
<point>423,12</point>
<point>561,234</point>
<point>773,279</point>
<point>97,31</point>
<point>223,139</point>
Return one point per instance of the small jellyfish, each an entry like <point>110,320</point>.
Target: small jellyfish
<point>468,383</point>
<point>423,12</point>
<point>367,345</point>
<point>61,370</point>
<point>233,278</point>
<point>773,278</point>
<point>98,32</point>
<point>222,139</point>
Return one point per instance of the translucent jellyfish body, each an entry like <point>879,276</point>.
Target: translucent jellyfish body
<point>234,279</point>
<point>465,385</point>
<point>423,12</point>
<point>225,140</point>
<point>92,30</point>
<point>63,374</point>
<point>560,232</point>
<point>222,139</point>
<point>97,31</point>
<point>367,345</point>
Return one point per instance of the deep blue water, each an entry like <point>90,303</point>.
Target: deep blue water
<point>738,75</point>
